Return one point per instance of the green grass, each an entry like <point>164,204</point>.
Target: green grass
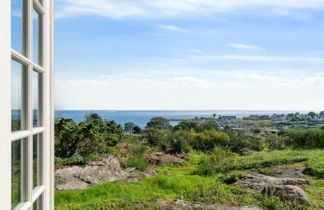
<point>314,159</point>
<point>316,192</point>
<point>160,186</point>
<point>143,194</point>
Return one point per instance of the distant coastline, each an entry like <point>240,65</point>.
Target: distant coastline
<point>141,117</point>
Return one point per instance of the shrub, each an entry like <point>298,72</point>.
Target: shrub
<point>180,141</point>
<point>219,161</point>
<point>159,138</point>
<point>67,136</point>
<point>232,177</point>
<point>136,161</point>
<point>239,141</point>
<point>209,139</point>
<point>313,138</point>
<point>158,123</point>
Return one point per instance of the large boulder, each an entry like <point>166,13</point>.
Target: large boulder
<point>81,177</point>
<point>285,188</point>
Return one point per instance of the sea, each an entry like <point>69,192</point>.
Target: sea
<point>141,118</point>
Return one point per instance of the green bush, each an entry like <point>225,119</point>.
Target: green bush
<point>240,141</point>
<point>232,177</point>
<point>83,142</point>
<point>312,138</point>
<point>209,139</point>
<point>158,123</point>
<point>180,141</point>
<point>219,161</point>
<point>67,137</point>
<point>136,161</point>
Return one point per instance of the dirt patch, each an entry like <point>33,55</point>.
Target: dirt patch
<point>157,158</point>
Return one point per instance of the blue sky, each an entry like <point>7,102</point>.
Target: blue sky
<point>189,54</point>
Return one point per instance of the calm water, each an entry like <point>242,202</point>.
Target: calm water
<point>140,118</point>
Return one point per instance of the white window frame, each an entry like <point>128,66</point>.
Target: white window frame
<point>47,119</point>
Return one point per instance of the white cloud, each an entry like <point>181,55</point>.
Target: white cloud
<point>192,89</point>
<point>196,50</point>
<point>172,28</point>
<point>260,58</point>
<point>166,8</point>
<point>293,14</point>
<point>281,11</point>
<point>244,46</point>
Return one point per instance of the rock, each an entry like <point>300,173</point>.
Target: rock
<point>143,174</point>
<point>277,181</point>
<point>285,188</point>
<point>129,170</point>
<point>291,170</point>
<point>287,192</point>
<point>161,158</point>
<point>170,204</point>
<point>82,177</point>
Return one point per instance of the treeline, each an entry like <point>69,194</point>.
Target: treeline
<point>78,143</point>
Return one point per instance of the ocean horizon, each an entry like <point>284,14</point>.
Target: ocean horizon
<point>141,117</point>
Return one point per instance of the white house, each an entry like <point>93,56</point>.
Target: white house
<point>26,105</point>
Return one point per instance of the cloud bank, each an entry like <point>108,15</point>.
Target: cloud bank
<point>167,8</point>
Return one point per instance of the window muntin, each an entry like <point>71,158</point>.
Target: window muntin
<point>28,82</point>
<point>18,96</point>
<point>18,172</point>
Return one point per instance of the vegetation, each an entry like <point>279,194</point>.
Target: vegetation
<point>217,159</point>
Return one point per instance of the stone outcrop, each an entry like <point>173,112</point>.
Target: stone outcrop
<point>106,170</point>
<point>82,177</point>
<point>285,188</point>
<point>170,204</point>
<point>292,170</point>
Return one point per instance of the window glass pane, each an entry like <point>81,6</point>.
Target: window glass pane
<point>17,40</point>
<point>36,100</point>
<point>37,203</point>
<point>18,81</point>
<point>36,38</point>
<point>17,172</point>
<point>36,160</point>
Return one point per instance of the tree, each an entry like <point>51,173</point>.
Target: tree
<point>137,130</point>
<point>129,127</point>
<point>67,137</point>
<point>214,115</point>
<point>158,123</point>
<point>321,114</point>
<point>187,125</point>
<point>210,124</point>
<point>312,115</point>
<point>98,135</point>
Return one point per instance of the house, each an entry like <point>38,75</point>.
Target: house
<point>257,117</point>
<point>279,117</point>
<point>27,122</point>
<point>227,117</point>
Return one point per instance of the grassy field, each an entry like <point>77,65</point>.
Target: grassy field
<point>180,183</point>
